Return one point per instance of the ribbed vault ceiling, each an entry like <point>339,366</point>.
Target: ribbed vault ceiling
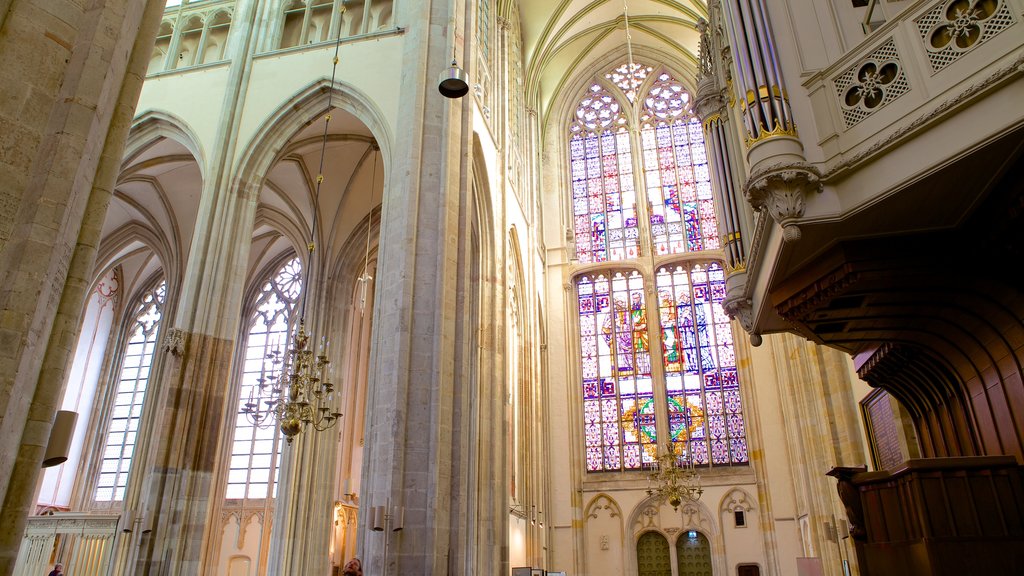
<point>562,36</point>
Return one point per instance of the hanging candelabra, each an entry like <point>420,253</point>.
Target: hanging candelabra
<point>296,392</point>
<point>674,480</point>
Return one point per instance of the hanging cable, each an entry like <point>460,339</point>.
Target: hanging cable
<point>629,48</point>
<point>311,246</point>
<point>365,278</point>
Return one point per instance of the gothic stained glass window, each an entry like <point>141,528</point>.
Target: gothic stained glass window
<point>690,333</point>
<point>603,193</point>
<point>676,172</point>
<point>254,451</point>
<point>618,393</point>
<point>702,391</point>
<point>483,28</point>
<point>130,396</point>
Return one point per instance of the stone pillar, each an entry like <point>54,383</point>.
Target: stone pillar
<point>71,78</point>
<point>822,431</point>
<point>419,449</point>
<point>174,492</point>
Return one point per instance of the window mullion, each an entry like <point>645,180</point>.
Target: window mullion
<point>655,333</point>
<point>703,390</point>
<point>306,15</point>
<point>645,242</point>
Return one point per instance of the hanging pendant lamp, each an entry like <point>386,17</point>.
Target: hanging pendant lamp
<point>453,82</point>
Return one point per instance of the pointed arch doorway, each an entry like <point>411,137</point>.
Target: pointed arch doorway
<point>693,554</point>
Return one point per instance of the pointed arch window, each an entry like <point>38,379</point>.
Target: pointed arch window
<point>603,190</point>
<point>136,361</point>
<point>653,334</point>
<point>676,172</point>
<point>255,451</point>
<point>618,393</point>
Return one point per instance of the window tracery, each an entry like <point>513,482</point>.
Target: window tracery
<point>255,451</point>
<point>130,395</point>
<point>603,190</point>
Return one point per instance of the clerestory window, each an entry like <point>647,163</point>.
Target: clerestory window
<point>255,451</point>
<point>133,377</point>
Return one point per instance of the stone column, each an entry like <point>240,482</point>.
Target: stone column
<point>419,439</point>
<point>822,431</point>
<point>71,76</point>
<point>174,493</point>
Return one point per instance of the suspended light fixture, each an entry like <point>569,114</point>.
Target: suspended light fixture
<point>674,480</point>
<point>296,392</point>
<point>453,82</point>
<point>365,278</point>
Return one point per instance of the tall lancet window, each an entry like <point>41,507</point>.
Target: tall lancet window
<point>676,172</point>
<point>254,451</point>
<point>650,282</point>
<point>603,193</point>
<point>136,361</point>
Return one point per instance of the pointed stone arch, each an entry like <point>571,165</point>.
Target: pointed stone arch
<point>154,125</point>
<point>303,108</point>
<point>737,499</point>
<point>650,514</point>
<point>604,535</point>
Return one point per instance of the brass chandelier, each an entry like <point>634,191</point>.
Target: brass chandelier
<point>296,393</point>
<point>674,480</point>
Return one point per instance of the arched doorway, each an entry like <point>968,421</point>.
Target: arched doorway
<point>652,555</point>
<point>693,554</point>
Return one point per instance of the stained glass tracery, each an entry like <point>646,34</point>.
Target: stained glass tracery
<point>693,332</point>
<point>676,172</point>
<point>131,395</point>
<point>702,390</point>
<point>603,192</point>
<point>629,78</point>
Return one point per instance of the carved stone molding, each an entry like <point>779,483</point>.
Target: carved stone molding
<point>781,191</point>
<point>737,499</point>
<point>695,517</point>
<point>174,342</point>
<point>601,504</point>
<point>741,310</point>
<point>648,518</point>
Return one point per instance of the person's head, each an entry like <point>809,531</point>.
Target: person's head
<point>58,567</point>
<point>354,566</point>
